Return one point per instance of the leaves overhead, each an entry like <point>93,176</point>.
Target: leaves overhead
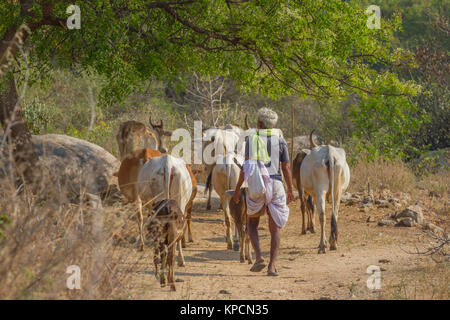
<point>319,48</point>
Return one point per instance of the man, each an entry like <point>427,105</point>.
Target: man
<point>276,208</point>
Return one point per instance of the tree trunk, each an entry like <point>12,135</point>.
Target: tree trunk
<point>18,135</point>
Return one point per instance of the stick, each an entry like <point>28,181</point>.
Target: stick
<point>292,135</point>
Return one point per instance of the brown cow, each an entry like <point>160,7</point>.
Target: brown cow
<point>129,170</point>
<point>135,135</point>
<point>164,230</point>
<point>239,213</point>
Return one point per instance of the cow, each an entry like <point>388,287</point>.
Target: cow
<point>163,178</point>
<point>134,135</point>
<point>325,171</point>
<point>238,212</point>
<point>224,176</point>
<point>128,178</point>
<point>226,139</point>
<point>165,230</point>
<point>129,170</point>
<point>189,207</point>
<point>309,205</point>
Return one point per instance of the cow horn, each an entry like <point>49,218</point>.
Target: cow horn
<point>328,142</point>
<point>246,122</point>
<point>313,145</point>
<point>150,121</point>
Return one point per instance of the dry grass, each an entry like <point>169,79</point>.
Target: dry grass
<point>381,174</point>
<point>47,234</point>
<point>426,282</point>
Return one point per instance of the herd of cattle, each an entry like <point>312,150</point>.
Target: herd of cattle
<point>167,186</point>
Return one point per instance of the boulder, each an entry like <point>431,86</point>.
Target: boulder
<point>406,222</point>
<point>386,222</point>
<point>72,164</point>
<point>432,227</point>
<point>414,212</point>
<point>346,196</point>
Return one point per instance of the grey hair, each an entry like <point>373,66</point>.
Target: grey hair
<point>268,117</point>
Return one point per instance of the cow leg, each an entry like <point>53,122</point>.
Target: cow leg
<point>189,228</point>
<point>171,260</point>
<point>237,238</point>
<point>310,206</point>
<point>320,201</point>
<point>242,245</point>
<point>162,274</point>
<point>226,211</point>
<point>189,220</point>
<point>208,183</point>
<point>181,262</point>
<point>302,206</point>
<point>156,260</point>
<point>334,216</point>
<point>141,225</point>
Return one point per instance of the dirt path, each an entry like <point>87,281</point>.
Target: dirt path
<point>304,274</point>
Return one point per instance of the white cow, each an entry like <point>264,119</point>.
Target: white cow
<point>161,178</point>
<point>224,177</point>
<point>219,142</point>
<point>325,171</point>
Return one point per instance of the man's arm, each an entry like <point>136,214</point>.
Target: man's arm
<point>285,166</point>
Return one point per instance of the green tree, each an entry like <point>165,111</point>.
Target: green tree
<point>319,48</point>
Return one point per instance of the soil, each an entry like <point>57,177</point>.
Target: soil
<point>303,273</point>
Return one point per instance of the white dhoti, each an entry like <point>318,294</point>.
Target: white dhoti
<point>274,198</point>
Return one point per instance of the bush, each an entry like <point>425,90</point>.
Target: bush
<point>37,116</point>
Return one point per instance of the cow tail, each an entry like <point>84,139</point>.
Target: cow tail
<point>331,162</point>
<point>208,182</point>
<point>168,177</point>
<point>228,169</point>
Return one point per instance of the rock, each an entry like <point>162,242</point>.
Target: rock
<point>370,219</point>
<point>393,200</point>
<point>364,209</point>
<point>434,194</point>
<point>432,227</point>
<point>386,222</point>
<point>365,204</point>
<point>346,197</point>
<point>414,212</point>
<point>384,261</point>
<point>406,222</point>
<point>384,205</point>
<point>386,193</point>
<point>405,196</point>
<point>132,240</point>
<point>73,165</point>
<point>223,291</point>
